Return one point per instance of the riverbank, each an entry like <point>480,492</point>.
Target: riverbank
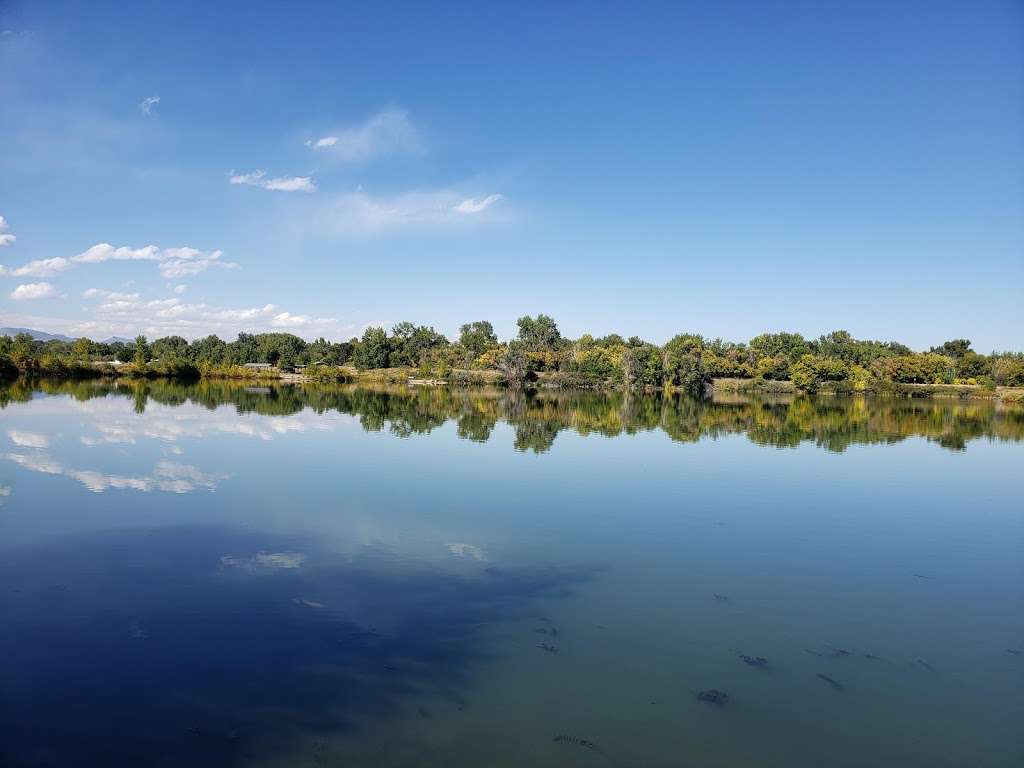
<point>460,378</point>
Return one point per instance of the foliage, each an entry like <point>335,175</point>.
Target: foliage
<point>477,337</point>
<point>834,361</point>
<point>810,371</point>
<point>409,344</point>
<point>373,350</point>
<point>538,333</point>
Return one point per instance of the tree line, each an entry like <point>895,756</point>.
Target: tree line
<point>687,362</point>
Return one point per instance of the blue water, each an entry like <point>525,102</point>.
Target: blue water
<point>216,575</point>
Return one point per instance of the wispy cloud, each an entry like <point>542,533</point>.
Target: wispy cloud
<point>147,104</point>
<point>172,262</point>
<point>477,204</point>
<point>34,291</point>
<point>102,293</point>
<point>361,213</point>
<point>12,34</point>
<point>278,184</point>
<point>389,132</point>
<point>5,237</point>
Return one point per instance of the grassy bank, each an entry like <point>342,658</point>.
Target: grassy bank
<point>878,388</point>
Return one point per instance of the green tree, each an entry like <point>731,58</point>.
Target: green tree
<point>792,346</point>
<point>373,350</point>
<point>538,334</point>
<point>411,343</point>
<point>23,352</point>
<point>955,348</point>
<point>141,352</point>
<point>971,365</point>
<point>82,350</point>
<point>477,337</point>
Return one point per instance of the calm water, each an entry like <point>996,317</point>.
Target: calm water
<point>216,575</point>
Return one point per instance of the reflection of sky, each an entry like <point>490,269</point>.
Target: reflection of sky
<point>130,644</point>
<point>326,523</point>
<point>112,421</point>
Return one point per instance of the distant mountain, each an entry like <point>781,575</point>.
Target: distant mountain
<point>40,335</point>
<point>44,336</point>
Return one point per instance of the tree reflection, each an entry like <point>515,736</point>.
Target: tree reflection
<point>832,423</point>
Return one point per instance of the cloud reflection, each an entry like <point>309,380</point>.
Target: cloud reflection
<point>166,476</point>
<point>28,439</point>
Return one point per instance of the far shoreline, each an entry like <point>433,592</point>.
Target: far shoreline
<point>469,379</point>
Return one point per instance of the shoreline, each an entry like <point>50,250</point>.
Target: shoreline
<point>465,379</point>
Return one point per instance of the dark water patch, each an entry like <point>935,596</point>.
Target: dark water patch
<point>210,647</point>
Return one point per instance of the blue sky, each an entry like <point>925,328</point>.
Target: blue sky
<point>719,167</point>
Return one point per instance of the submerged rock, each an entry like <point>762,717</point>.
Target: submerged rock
<point>834,683</point>
<point>585,743</point>
<point>754,661</point>
<point>713,696</point>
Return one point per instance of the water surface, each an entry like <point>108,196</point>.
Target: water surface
<point>223,575</point>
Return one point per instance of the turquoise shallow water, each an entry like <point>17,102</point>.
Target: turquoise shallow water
<point>228,575</point>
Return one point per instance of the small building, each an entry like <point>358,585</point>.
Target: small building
<point>258,366</point>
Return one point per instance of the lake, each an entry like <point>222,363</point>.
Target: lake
<point>220,574</point>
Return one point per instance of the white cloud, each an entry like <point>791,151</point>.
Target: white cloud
<point>5,238</point>
<point>148,103</point>
<point>279,184</point>
<point>326,141</point>
<point>34,291</point>
<point>477,204</point>
<point>362,213</point>
<point>127,315</point>
<point>387,133</point>
<point>291,184</point>
<point>173,262</point>
<point>185,262</point>
<point>40,268</point>
<point>102,252</point>
<point>247,178</point>
<point>288,320</point>
<point>180,288</point>
<point>28,439</point>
